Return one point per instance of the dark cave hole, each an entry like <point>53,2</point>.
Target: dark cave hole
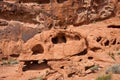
<point>71,74</point>
<point>80,60</point>
<point>82,53</point>
<point>90,58</point>
<point>62,67</point>
<point>106,43</point>
<point>36,1</point>
<point>95,49</point>
<point>14,55</point>
<point>118,43</point>
<point>77,37</point>
<point>4,58</point>
<point>60,38</point>
<point>44,1</point>
<point>35,65</point>
<point>37,49</point>
<point>98,39</point>
<point>61,1</point>
<point>114,26</point>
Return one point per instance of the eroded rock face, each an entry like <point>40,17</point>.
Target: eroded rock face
<point>50,44</point>
<point>28,29</point>
<point>72,52</point>
<point>66,12</point>
<point>13,35</point>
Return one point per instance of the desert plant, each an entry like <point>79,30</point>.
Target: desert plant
<point>112,55</point>
<point>9,62</point>
<point>94,68</point>
<point>115,68</point>
<point>13,62</point>
<point>104,77</point>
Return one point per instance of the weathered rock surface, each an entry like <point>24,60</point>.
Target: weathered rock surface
<point>43,36</point>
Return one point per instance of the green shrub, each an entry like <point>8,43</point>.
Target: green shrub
<point>105,77</point>
<point>9,62</point>
<point>94,68</point>
<point>112,55</point>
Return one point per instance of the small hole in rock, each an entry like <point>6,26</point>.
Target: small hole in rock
<point>60,38</point>
<point>90,58</point>
<point>77,37</point>
<point>34,65</point>
<point>106,43</point>
<point>62,67</point>
<point>37,49</point>
<point>80,60</point>
<point>114,26</point>
<point>95,48</point>
<point>82,53</point>
<point>55,40</point>
<point>44,1</point>
<point>98,39</point>
<point>118,43</point>
<point>61,1</point>
<point>71,74</point>
<point>14,55</point>
<point>4,58</point>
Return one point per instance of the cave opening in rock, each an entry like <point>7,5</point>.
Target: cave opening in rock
<point>35,65</point>
<point>106,43</point>
<point>99,39</point>
<point>60,38</point>
<point>90,58</point>
<point>44,1</point>
<point>95,49</point>
<point>37,49</point>
<point>14,55</point>
<point>36,1</point>
<point>77,37</point>
<point>71,74</point>
<point>81,53</point>
<point>61,1</point>
<point>62,67</point>
<point>114,26</point>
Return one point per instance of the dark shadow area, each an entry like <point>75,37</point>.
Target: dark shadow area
<point>61,1</point>
<point>59,38</point>
<point>95,49</point>
<point>34,1</point>
<point>114,26</point>
<point>99,39</point>
<point>77,37</point>
<point>90,58</point>
<point>107,43</point>
<point>71,74</point>
<point>37,49</point>
<point>14,55</point>
<point>34,65</point>
<point>86,68</point>
<point>81,53</point>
